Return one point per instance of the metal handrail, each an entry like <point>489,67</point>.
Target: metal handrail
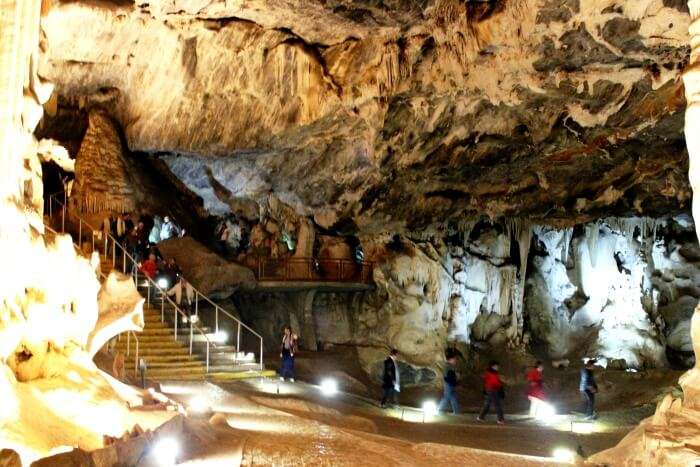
<point>312,269</point>
<point>217,308</point>
<point>151,282</point>
<point>130,332</point>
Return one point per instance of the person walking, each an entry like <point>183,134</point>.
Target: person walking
<point>450,387</point>
<point>535,387</point>
<point>493,387</point>
<point>120,228</point>
<point>289,348</point>
<point>391,379</point>
<point>107,231</point>
<point>588,388</point>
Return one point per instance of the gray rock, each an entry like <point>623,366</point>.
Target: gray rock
<point>206,270</point>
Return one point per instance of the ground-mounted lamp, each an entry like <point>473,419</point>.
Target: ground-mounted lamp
<point>220,337</point>
<point>582,427</point>
<point>564,455</point>
<point>543,411</point>
<point>165,451</point>
<point>329,387</point>
<point>430,409</point>
<point>199,405</point>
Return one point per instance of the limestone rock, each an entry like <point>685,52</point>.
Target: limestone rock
<point>390,118</point>
<point>207,271</point>
<point>10,458</point>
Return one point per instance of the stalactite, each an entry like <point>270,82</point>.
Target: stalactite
<point>592,231</point>
<point>566,244</point>
<point>518,292</point>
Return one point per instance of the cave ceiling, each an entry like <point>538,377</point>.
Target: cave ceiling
<point>381,115</point>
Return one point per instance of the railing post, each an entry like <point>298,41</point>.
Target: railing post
<point>216,314</point>
<point>162,309</point>
<point>261,354</point>
<point>196,304</point>
<point>191,334</point>
<point>123,260</point>
<point>114,253</point>
<point>175,317</point>
<point>207,356</point>
<point>238,344</point>
<point>136,359</point>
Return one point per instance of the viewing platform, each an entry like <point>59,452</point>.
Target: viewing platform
<point>330,275</point>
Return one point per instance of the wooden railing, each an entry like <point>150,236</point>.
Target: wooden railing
<point>312,270</point>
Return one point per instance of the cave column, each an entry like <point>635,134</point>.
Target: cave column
<point>690,381</point>
<point>301,317</point>
<point>691,79</point>
<point>19,39</point>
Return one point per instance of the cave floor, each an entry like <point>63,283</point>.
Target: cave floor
<point>285,423</point>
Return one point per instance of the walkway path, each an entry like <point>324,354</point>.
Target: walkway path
<point>301,424</point>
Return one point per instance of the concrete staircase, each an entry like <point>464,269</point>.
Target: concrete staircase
<point>169,359</point>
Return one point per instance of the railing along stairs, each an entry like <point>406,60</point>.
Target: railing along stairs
<point>55,206</point>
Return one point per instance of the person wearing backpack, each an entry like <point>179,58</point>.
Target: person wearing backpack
<point>493,388</point>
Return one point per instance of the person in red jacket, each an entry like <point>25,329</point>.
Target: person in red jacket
<point>493,387</point>
<point>149,267</point>
<point>535,387</point>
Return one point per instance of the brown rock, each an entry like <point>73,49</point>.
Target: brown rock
<point>207,271</point>
<point>10,458</point>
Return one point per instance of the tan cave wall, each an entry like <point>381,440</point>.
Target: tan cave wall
<point>45,321</point>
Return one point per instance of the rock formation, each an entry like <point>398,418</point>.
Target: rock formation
<point>670,437</point>
<point>558,110</point>
<point>53,394</point>
<point>205,270</point>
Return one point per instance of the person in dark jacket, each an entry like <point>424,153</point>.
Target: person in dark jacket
<point>391,383</point>
<point>289,349</point>
<point>450,387</point>
<point>493,387</point>
<point>588,388</point>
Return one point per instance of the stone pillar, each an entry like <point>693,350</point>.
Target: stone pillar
<point>19,41</point>
<point>306,313</point>
<point>691,79</point>
<point>690,381</point>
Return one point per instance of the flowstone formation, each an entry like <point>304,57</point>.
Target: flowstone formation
<point>54,397</point>
<point>671,436</point>
<point>387,116</point>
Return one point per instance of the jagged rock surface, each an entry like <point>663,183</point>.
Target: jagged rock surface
<point>393,115</point>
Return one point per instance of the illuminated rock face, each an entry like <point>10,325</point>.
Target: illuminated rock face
<point>670,437</point>
<point>421,111</point>
<point>53,393</point>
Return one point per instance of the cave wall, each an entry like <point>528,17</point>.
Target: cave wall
<point>621,290</point>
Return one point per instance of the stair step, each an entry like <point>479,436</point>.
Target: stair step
<point>165,358</point>
<point>164,352</point>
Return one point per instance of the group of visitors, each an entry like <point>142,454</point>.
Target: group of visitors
<point>148,260</point>
<point>136,238</point>
<point>494,389</point>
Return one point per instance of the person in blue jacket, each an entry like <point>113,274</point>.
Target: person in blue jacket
<point>588,388</point>
<point>450,386</point>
